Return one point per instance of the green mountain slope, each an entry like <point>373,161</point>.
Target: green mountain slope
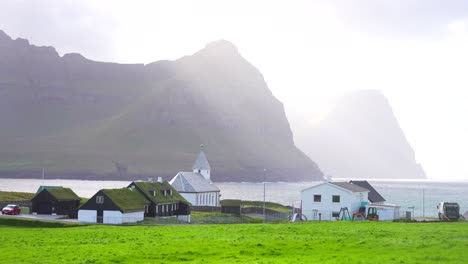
<point>79,118</point>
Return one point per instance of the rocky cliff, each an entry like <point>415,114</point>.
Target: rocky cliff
<point>79,118</point>
<point>361,138</point>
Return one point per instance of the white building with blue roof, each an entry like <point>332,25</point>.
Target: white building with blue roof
<point>196,186</point>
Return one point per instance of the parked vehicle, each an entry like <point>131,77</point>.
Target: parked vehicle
<point>448,211</point>
<point>11,209</point>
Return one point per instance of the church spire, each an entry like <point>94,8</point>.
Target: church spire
<point>201,164</point>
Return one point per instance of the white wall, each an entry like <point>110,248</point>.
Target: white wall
<point>202,199</point>
<point>326,207</point>
<point>88,216</point>
<point>184,218</point>
<point>116,217</point>
<point>112,217</point>
<point>133,217</point>
<point>386,212</point>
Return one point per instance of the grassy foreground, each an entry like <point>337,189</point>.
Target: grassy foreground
<point>324,242</point>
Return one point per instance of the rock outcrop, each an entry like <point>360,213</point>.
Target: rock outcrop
<point>77,118</point>
<point>361,138</point>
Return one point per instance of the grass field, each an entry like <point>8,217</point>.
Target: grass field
<point>318,242</point>
<point>15,196</point>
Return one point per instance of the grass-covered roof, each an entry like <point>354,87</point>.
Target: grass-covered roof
<point>63,194</point>
<point>126,199</point>
<point>148,187</point>
<point>45,187</point>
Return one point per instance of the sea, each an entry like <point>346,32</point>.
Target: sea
<point>417,196</point>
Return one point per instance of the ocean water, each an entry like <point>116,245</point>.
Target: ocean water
<point>423,195</point>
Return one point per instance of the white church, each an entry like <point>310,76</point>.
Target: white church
<point>196,186</point>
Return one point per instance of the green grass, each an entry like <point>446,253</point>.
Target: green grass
<point>24,223</point>
<point>16,196</point>
<point>220,218</point>
<point>259,204</point>
<point>269,205</point>
<point>312,242</point>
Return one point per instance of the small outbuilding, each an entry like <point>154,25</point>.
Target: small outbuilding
<point>58,201</point>
<point>163,200</point>
<point>231,206</point>
<point>386,212</point>
<point>114,206</point>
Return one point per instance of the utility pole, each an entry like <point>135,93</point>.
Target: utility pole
<point>264,178</point>
<point>423,204</point>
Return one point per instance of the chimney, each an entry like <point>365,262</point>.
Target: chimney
<point>328,178</point>
<point>159,179</point>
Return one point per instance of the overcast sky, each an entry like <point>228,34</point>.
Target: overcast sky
<point>414,51</point>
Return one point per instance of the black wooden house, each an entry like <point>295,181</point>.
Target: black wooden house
<point>59,201</point>
<point>164,199</point>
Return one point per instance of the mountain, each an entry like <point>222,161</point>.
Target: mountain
<point>361,138</point>
<point>84,119</point>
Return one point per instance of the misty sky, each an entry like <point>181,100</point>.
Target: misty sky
<point>414,51</point>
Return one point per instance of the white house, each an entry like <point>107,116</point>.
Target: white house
<point>114,206</point>
<point>196,186</point>
<point>325,200</point>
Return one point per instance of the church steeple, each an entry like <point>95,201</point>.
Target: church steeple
<point>202,165</point>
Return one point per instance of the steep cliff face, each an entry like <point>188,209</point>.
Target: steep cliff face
<point>77,117</point>
<point>361,138</point>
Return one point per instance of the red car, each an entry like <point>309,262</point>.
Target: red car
<point>11,209</point>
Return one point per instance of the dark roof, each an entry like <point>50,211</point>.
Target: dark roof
<point>62,194</point>
<point>147,187</point>
<point>126,200</point>
<point>350,187</point>
<point>43,187</point>
<point>374,196</point>
<point>192,182</point>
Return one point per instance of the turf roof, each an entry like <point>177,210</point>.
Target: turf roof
<point>147,187</point>
<point>63,194</point>
<point>127,200</point>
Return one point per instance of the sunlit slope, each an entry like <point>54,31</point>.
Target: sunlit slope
<point>361,138</point>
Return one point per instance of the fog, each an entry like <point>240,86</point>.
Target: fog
<point>308,51</point>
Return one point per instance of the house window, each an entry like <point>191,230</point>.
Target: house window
<point>336,198</point>
<point>146,208</point>
<point>336,214</point>
<point>317,198</point>
<point>99,199</point>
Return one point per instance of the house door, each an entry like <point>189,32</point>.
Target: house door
<point>100,218</point>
